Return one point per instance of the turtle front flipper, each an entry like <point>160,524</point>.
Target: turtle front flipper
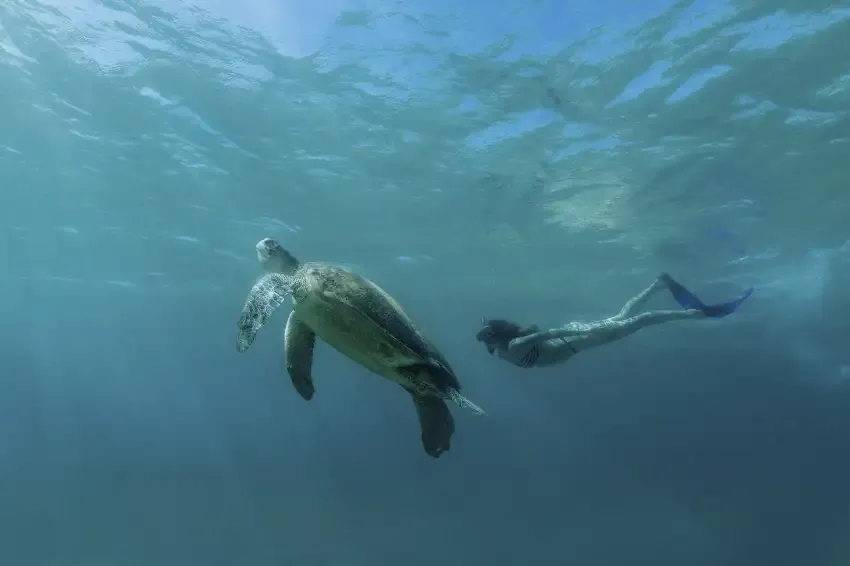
<point>298,343</point>
<point>267,294</point>
<point>436,422</point>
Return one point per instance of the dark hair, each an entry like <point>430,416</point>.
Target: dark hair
<point>501,331</point>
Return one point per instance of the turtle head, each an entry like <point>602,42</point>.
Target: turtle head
<point>274,258</point>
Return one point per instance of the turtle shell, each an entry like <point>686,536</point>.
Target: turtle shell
<point>373,304</point>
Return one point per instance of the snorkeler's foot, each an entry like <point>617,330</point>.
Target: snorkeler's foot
<point>664,279</point>
<point>725,309</point>
<point>688,300</point>
<point>685,298</point>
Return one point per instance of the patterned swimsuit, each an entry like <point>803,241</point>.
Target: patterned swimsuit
<point>529,357</point>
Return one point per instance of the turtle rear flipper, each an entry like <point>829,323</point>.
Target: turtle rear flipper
<point>436,423</point>
<point>434,379</point>
<point>267,294</point>
<point>298,343</point>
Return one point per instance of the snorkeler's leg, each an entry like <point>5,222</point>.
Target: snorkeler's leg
<point>688,300</point>
<point>613,329</point>
<point>636,303</point>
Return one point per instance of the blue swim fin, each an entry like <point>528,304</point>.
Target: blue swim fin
<point>688,300</point>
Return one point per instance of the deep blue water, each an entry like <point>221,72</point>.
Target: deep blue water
<point>532,161</point>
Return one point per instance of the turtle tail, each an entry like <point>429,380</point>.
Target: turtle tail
<point>463,402</point>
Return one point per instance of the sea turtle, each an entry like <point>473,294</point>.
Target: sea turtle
<point>360,320</point>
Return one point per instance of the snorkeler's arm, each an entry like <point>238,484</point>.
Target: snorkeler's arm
<point>572,329</point>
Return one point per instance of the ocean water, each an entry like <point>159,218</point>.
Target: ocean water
<point>535,160</point>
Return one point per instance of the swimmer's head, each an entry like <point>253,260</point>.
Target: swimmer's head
<point>498,333</point>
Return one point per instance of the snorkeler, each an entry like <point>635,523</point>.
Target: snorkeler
<point>527,347</point>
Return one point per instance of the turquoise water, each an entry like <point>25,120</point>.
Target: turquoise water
<point>526,160</point>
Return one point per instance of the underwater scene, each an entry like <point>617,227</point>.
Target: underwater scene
<point>396,282</point>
